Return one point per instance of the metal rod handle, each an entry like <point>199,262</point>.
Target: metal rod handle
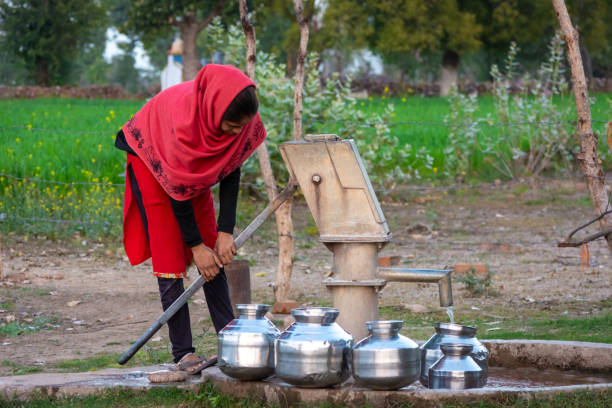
<point>199,282</point>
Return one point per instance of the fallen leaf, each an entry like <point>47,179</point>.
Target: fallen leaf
<point>129,317</point>
<point>73,303</point>
<point>261,274</point>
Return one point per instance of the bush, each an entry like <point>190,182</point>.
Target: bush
<point>528,134</point>
<point>327,109</point>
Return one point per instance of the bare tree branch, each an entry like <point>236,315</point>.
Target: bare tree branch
<point>590,163</point>
<point>214,13</point>
<point>299,71</point>
<point>284,224</point>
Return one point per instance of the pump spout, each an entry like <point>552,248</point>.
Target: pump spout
<point>441,277</point>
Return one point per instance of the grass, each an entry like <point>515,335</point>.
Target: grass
<point>509,323</point>
<point>209,396</point>
<point>433,110</point>
<point>16,328</point>
<point>68,141</point>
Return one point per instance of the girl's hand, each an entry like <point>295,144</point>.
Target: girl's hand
<point>225,248</point>
<point>207,261</point>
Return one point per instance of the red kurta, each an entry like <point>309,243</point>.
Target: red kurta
<point>182,153</point>
<point>170,254</point>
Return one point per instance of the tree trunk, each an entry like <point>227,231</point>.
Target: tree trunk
<point>190,27</point>
<point>590,163</point>
<point>286,250</point>
<point>299,70</point>
<point>587,63</point>
<point>191,62</point>
<point>42,72</point>
<point>1,273</point>
<point>450,66</point>
<point>284,224</point>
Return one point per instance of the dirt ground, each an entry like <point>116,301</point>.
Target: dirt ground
<point>99,304</point>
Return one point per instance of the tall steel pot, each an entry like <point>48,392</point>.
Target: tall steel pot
<point>385,360</point>
<point>246,344</point>
<point>452,333</point>
<point>314,351</point>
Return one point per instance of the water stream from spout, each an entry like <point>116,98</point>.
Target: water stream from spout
<point>451,314</point>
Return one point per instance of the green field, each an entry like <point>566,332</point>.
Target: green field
<point>420,120</point>
<point>60,171</point>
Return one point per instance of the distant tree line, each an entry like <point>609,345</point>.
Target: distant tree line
<point>52,42</point>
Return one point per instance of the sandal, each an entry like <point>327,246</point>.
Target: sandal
<point>198,367</point>
<point>187,361</point>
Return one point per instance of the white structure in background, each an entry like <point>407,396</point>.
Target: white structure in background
<point>173,73</point>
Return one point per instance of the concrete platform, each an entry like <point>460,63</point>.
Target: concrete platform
<point>87,383</point>
<point>275,391</point>
<point>519,369</point>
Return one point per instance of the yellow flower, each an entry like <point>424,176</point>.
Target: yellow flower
<point>93,159</point>
<point>29,126</point>
<point>52,173</point>
<point>107,119</point>
<point>99,147</point>
<point>40,143</point>
<point>404,99</point>
<point>435,169</point>
<point>370,98</point>
<point>386,89</point>
<point>18,140</point>
<point>30,156</point>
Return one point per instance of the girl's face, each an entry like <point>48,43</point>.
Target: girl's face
<point>234,128</point>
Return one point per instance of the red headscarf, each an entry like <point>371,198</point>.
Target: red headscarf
<point>177,133</point>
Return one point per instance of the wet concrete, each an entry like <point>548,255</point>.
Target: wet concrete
<point>87,383</point>
<point>518,369</point>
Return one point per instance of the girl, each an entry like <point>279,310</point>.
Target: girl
<point>182,142</point>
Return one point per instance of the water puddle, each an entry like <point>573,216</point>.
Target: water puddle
<point>530,377</point>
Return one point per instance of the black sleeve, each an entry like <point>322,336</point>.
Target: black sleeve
<point>121,143</point>
<point>183,211</point>
<point>228,200</point>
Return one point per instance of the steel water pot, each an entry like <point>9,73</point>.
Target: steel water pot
<point>456,369</point>
<point>246,344</point>
<point>452,333</point>
<point>385,360</point>
<point>314,351</point>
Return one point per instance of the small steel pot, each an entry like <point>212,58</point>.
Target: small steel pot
<point>451,333</point>
<point>456,370</point>
<point>385,360</point>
